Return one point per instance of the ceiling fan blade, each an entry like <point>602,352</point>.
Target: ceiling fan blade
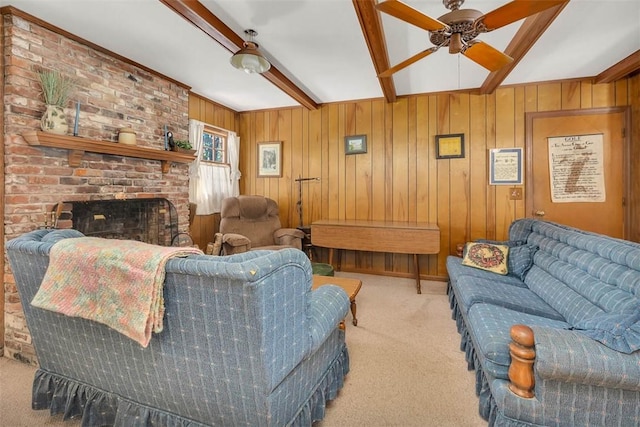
<point>515,11</point>
<point>487,56</point>
<point>407,62</point>
<point>408,14</point>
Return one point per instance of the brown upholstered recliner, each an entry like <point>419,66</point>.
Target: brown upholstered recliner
<point>252,222</point>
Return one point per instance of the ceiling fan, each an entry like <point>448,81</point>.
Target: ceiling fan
<point>459,28</point>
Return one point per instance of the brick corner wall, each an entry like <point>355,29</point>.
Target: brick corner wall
<point>113,94</point>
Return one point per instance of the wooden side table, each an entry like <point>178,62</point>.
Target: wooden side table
<point>350,286</point>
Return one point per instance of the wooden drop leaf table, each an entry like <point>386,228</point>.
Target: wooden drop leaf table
<point>400,237</point>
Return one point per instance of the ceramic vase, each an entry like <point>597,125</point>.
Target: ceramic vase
<point>54,120</point>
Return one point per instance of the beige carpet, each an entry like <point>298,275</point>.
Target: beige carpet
<point>406,368</point>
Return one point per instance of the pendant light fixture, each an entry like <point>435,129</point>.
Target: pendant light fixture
<point>249,57</point>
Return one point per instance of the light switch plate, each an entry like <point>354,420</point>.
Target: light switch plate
<point>515,193</point>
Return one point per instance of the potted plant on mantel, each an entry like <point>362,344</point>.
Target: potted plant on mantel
<point>182,146</point>
<point>56,90</point>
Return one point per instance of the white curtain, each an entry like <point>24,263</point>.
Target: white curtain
<point>210,183</point>
<point>233,145</point>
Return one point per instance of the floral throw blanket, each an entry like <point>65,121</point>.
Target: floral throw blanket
<point>115,282</point>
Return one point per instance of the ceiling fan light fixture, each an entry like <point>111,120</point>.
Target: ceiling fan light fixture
<point>249,58</point>
<point>455,43</point>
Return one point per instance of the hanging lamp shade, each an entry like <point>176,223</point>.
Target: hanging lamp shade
<point>249,57</point>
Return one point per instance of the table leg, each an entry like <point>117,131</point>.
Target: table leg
<point>416,269</point>
<point>353,312</point>
<point>331,252</point>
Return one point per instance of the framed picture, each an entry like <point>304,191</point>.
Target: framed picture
<point>450,146</point>
<point>505,166</point>
<point>269,159</point>
<point>355,144</point>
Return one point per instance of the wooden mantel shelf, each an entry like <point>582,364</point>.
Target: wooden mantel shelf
<point>77,146</point>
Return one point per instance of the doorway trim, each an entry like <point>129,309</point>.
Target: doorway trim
<point>626,153</point>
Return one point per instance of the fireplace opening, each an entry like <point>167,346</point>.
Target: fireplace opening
<point>153,220</point>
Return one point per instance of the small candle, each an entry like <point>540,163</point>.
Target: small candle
<point>75,126</point>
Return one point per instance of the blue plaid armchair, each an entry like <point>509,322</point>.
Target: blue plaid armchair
<point>245,342</point>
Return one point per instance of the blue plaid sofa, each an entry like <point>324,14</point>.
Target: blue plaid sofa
<point>246,342</point>
<point>580,294</point>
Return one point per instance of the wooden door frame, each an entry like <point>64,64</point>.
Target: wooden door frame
<point>626,153</point>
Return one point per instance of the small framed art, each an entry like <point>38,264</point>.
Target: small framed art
<point>450,146</point>
<point>269,159</point>
<point>505,166</point>
<point>355,144</point>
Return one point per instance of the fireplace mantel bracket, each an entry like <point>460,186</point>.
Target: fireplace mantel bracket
<point>77,146</point>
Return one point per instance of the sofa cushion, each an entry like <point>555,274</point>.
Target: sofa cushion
<point>457,270</point>
<point>57,235</point>
<point>489,327</point>
<point>618,331</point>
<point>573,292</point>
<point>583,275</point>
<point>510,243</point>
<point>472,290</point>
<point>486,256</point>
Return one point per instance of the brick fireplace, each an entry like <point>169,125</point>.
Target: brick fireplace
<point>113,93</point>
<point>153,220</point>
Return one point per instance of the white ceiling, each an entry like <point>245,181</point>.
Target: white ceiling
<point>319,45</point>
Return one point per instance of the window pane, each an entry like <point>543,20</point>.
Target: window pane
<point>214,147</point>
<point>207,148</point>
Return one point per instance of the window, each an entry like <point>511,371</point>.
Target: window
<point>214,146</point>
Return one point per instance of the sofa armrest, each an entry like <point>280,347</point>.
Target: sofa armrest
<point>289,237</point>
<point>235,243</point>
<point>570,356</point>
<point>329,305</point>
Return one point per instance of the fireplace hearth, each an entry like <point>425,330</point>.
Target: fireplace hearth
<point>152,220</point>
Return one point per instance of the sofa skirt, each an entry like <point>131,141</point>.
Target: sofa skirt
<point>97,407</point>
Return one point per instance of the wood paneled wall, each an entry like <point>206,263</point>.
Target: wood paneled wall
<point>399,177</point>
<point>204,227</point>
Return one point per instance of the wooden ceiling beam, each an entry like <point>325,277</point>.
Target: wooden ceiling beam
<point>530,31</point>
<point>627,66</point>
<point>371,25</point>
<point>196,13</point>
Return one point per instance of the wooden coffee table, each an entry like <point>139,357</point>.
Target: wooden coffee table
<point>350,286</point>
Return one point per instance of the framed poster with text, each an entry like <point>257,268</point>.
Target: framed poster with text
<point>505,166</point>
<point>450,146</point>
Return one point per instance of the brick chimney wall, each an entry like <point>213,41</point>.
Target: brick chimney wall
<point>113,94</point>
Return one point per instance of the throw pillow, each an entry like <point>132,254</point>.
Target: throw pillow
<point>620,332</point>
<point>520,258</point>
<point>486,257</point>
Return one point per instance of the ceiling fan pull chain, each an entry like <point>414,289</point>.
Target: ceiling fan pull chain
<point>458,72</point>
